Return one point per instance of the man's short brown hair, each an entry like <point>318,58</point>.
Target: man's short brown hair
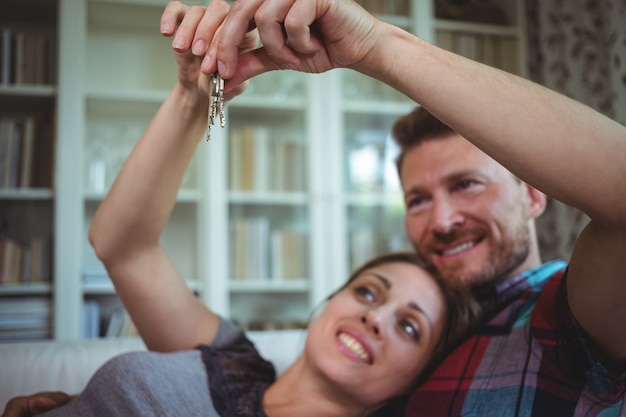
<point>414,128</point>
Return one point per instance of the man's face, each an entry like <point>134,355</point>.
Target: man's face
<point>465,212</point>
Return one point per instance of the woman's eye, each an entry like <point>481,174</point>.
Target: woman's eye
<point>409,328</point>
<point>365,293</point>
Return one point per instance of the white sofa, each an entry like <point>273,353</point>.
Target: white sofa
<point>26,368</point>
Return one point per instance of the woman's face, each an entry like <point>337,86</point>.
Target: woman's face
<point>375,336</point>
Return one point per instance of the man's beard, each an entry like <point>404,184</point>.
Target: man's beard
<point>503,259</point>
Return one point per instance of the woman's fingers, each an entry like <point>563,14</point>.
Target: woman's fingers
<point>208,26</point>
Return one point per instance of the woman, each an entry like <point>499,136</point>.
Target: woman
<point>374,340</point>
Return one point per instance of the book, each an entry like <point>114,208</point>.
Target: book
<point>28,143</point>
<point>262,161</point>
<point>40,259</point>
<point>115,323</point>
<point>6,54</point>
<point>247,159</point>
<point>445,39</point>
<point>234,160</point>
<point>489,51</point>
<point>509,55</point>
<point>7,130</point>
<point>91,319</point>
<point>15,148</point>
<point>43,154</point>
<point>250,253</point>
<point>288,254</point>
<point>12,253</point>
<point>466,44</point>
<point>238,244</point>
<point>19,48</point>
<point>295,166</point>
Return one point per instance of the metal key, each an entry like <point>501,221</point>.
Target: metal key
<point>216,102</point>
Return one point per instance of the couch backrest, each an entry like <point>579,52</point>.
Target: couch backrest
<point>26,368</point>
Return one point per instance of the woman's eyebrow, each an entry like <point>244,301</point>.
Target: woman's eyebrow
<point>382,279</point>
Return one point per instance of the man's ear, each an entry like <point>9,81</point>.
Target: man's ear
<point>537,201</point>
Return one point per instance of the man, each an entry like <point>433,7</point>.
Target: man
<point>474,221</point>
<point>557,352</point>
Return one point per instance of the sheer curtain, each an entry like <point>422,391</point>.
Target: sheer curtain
<point>577,47</point>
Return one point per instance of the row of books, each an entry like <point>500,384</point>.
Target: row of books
<point>366,243</point>
<point>101,322</point>
<point>25,318</point>
<point>27,56</point>
<point>258,253</point>
<point>22,263</point>
<point>496,51</point>
<point>26,152</point>
<point>260,162</point>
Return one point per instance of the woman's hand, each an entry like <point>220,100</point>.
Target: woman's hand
<point>193,28</point>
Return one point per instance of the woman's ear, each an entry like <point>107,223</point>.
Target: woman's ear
<point>537,201</point>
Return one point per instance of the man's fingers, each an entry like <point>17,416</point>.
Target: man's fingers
<point>243,14</point>
<point>231,34</point>
<point>270,18</point>
<point>251,64</point>
<point>298,27</point>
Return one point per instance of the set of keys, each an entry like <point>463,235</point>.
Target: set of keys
<point>216,102</point>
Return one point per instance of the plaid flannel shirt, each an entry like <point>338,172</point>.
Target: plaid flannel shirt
<point>529,360</point>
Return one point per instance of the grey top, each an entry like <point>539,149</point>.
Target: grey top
<point>150,384</point>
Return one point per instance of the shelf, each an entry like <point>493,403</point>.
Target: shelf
<point>43,288</point>
<point>478,28</point>
<point>26,194</point>
<point>267,198</point>
<point>275,286</point>
<point>383,108</point>
<point>184,196</point>
<point>257,103</point>
<point>27,99</point>
<point>35,91</point>
<point>401,21</point>
<point>106,288</point>
<point>128,96</point>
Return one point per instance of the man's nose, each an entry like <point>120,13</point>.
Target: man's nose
<point>444,215</point>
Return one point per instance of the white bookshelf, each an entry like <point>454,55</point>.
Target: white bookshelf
<point>323,177</point>
<point>28,199</point>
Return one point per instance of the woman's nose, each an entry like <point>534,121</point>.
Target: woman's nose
<point>372,322</point>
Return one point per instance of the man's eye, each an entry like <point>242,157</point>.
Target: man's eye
<point>414,201</point>
<point>365,293</point>
<point>409,328</point>
<point>465,184</point>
